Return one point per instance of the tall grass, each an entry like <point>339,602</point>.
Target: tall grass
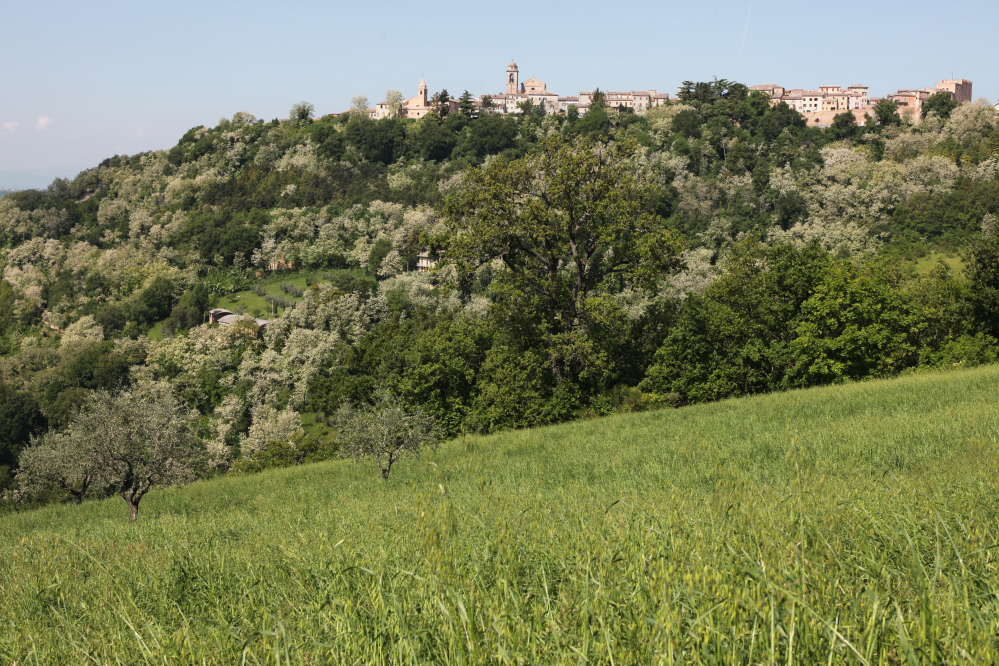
<point>854,524</point>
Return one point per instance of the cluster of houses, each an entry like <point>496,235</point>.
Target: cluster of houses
<point>822,105</point>
<point>819,106</point>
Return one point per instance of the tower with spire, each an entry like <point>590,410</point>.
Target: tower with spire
<point>422,94</point>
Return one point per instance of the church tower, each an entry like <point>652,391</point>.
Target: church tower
<point>422,94</point>
<point>512,79</point>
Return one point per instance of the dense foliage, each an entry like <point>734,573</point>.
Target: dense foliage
<point>712,247</point>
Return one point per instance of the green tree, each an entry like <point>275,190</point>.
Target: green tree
<point>303,113</point>
<point>359,107</point>
<point>20,418</point>
<point>7,299</point>
<point>393,98</point>
<point>465,105</point>
<point>940,103</point>
<point>982,270</point>
<point>378,252</point>
<point>858,323</point>
<point>844,125</point>
<point>562,219</point>
<point>886,113</point>
<point>130,440</point>
<point>441,103</point>
<point>598,99</point>
<point>384,431</point>
<point>735,338</point>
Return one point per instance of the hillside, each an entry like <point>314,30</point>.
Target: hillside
<point>730,249</point>
<point>849,524</point>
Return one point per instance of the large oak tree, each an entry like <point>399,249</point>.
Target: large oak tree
<point>564,220</point>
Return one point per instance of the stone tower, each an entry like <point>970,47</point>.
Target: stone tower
<point>512,79</point>
<point>422,94</point>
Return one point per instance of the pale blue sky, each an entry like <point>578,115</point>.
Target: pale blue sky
<point>82,81</point>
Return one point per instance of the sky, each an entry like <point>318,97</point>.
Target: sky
<point>83,81</point>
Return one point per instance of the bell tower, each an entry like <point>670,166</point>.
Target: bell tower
<point>422,94</point>
<point>512,79</point>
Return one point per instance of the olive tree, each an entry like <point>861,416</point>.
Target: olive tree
<point>384,431</point>
<point>128,441</point>
<point>56,460</point>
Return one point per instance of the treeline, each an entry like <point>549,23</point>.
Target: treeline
<point>713,247</point>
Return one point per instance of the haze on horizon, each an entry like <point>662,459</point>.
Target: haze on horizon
<point>87,81</point>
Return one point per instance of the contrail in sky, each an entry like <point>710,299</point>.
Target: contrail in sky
<point>746,31</point>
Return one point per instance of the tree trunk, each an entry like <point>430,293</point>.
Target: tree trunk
<point>385,473</point>
<point>133,504</point>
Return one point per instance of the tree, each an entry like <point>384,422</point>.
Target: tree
<point>487,103</point>
<point>130,440</point>
<point>598,99</point>
<point>383,431</point>
<point>562,219</point>
<point>378,252</point>
<point>7,299</point>
<point>56,460</point>
<point>359,106</point>
<point>526,107</point>
<point>941,103</point>
<point>886,112</point>
<point>572,114</point>
<point>441,103</point>
<point>393,98</point>
<point>983,276</point>
<point>465,105</point>
<point>303,112</point>
<point>20,418</point>
<point>844,125</point>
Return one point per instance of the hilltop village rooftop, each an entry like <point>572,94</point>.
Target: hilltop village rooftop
<point>819,105</point>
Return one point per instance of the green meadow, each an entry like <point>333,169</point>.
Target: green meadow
<point>855,524</point>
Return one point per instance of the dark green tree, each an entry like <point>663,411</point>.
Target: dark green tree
<point>844,125</point>
<point>441,103</point>
<point>378,252</point>
<point>886,113</point>
<point>940,103</point>
<point>562,219</point>
<point>465,105</point>
<point>598,100</point>
<point>982,269</point>
<point>20,418</point>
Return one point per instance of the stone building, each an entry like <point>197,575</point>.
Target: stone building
<point>537,92</point>
<point>414,107</point>
<point>825,99</point>
<point>911,100</point>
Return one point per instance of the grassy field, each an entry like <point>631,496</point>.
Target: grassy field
<point>855,524</point>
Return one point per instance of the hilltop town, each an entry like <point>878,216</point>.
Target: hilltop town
<point>819,106</point>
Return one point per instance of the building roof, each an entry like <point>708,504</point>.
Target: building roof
<point>512,65</point>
